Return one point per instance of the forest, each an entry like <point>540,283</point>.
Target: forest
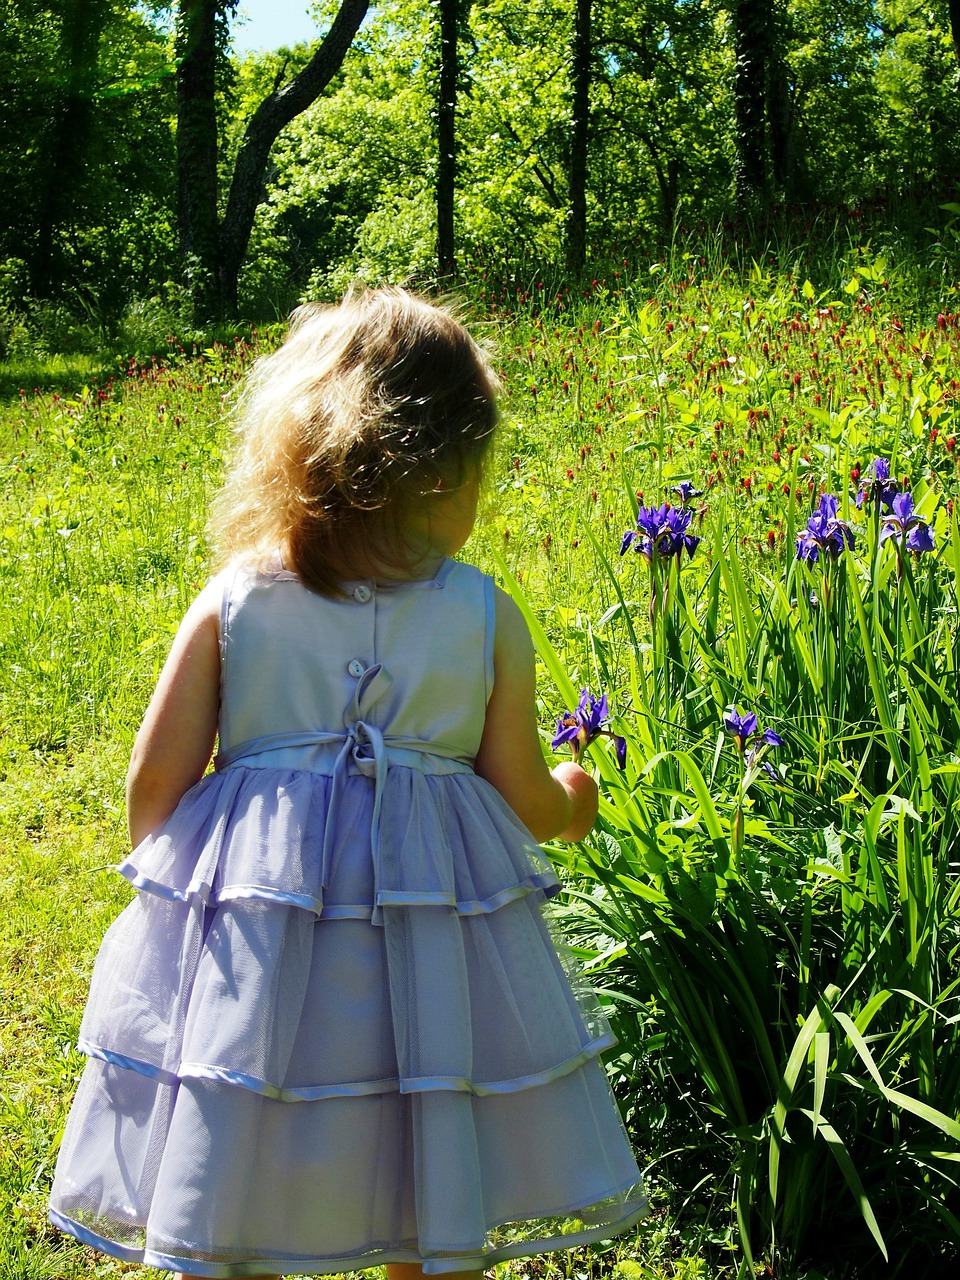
<point>144,165</point>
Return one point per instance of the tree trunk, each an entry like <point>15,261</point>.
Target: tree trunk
<point>780,114</point>
<point>447,136</point>
<point>750,18</point>
<point>196,49</point>
<point>953,7</point>
<point>577,180</point>
<point>83,23</point>
<point>273,113</point>
<point>779,108</point>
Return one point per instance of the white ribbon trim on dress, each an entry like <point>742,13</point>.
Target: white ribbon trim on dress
<point>543,882</point>
<point>349,1089</point>
<point>625,1210</point>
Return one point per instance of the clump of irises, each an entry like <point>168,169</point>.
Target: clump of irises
<point>661,533</point>
<point>900,519</point>
<point>584,724</point>
<point>827,535</point>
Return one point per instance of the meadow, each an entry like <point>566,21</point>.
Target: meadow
<point>769,904</point>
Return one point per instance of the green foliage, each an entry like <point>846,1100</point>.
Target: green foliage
<point>361,152</point>
<point>858,101</point>
<point>780,948</point>
<point>113,237</point>
<point>795,941</point>
<point>917,78</point>
<point>352,193</point>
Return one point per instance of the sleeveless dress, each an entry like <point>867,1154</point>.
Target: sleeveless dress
<point>332,1031</point>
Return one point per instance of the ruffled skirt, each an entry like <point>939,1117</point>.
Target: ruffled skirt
<point>308,1055</point>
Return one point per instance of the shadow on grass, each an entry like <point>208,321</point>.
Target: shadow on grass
<point>66,373</point>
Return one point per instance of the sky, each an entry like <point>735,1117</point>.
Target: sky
<point>270,24</point>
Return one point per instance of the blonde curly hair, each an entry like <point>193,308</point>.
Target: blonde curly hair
<point>366,408</point>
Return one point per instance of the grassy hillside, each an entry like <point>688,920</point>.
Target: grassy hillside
<point>774,928</point>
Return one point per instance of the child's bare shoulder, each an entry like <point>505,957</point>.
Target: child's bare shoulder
<point>512,634</point>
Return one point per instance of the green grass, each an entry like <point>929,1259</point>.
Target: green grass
<point>740,929</point>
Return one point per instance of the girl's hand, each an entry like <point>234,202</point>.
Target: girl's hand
<point>584,796</point>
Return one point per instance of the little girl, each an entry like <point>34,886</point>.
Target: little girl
<point>331,1032</point>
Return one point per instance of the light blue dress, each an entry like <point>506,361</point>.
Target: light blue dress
<point>332,1030</point>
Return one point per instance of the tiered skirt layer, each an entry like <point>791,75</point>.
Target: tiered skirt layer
<point>308,1056</point>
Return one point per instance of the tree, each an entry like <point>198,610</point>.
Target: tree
<point>447,135</point>
<point>214,248</point>
<point>662,113</point>
<point>30,100</point>
<point>577,175</point>
<point>751,20</point>
<point>514,128</point>
<point>201,27</point>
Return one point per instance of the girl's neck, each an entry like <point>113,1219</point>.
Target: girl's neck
<point>424,570</point>
<point>415,569</point>
<point>407,548</point>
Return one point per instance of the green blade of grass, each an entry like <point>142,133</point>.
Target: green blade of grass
<point>842,1156</point>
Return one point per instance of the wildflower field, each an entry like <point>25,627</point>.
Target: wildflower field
<point>726,500</point>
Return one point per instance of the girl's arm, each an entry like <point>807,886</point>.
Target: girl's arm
<point>175,741</point>
<point>561,802</point>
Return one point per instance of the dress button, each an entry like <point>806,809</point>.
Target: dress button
<point>356,668</point>
<point>362,593</point>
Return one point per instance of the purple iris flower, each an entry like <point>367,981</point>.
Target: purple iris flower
<point>920,538</point>
<point>744,731</point>
<point>878,486</point>
<point>741,727</point>
<point>582,725</point>
<point>686,491</point>
<point>903,520</point>
<point>586,723</point>
<point>825,534</point>
<point>661,532</point>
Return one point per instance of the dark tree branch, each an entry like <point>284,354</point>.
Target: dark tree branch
<point>278,78</point>
<point>540,171</point>
<point>272,115</point>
